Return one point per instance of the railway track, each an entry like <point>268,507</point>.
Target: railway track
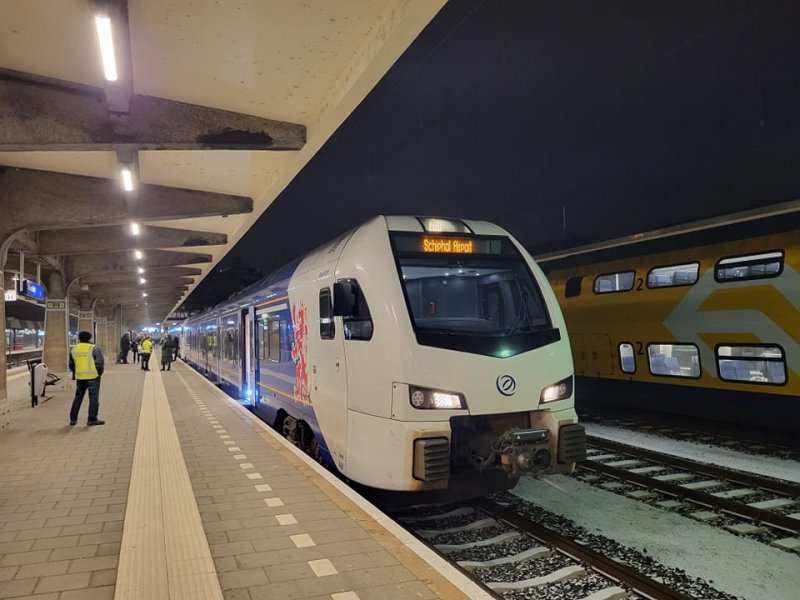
<point>753,443</point>
<point>516,558</point>
<point>745,504</point>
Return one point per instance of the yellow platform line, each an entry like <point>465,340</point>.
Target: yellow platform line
<point>164,552</point>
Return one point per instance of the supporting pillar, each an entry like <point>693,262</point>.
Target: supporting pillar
<point>5,412</point>
<point>56,323</point>
<point>86,315</point>
<point>101,327</point>
<point>115,331</point>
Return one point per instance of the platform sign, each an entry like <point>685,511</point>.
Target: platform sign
<point>11,295</point>
<point>31,289</point>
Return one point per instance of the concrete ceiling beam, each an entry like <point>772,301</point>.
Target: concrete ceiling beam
<point>116,238</point>
<point>156,274</point>
<point>44,114</point>
<point>161,299</point>
<point>123,289</point>
<point>124,262</point>
<point>48,200</point>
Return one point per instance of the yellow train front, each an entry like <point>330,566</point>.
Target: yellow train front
<point>710,332</point>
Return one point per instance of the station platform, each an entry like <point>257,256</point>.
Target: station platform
<point>183,493</point>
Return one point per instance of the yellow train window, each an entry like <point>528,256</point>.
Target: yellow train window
<point>754,266</point>
<point>673,275</point>
<point>751,363</point>
<point>674,360</point>
<point>614,282</point>
<point>627,359</point>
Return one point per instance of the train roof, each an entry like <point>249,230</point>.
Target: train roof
<point>695,239</point>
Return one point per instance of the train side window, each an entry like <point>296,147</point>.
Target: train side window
<point>754,363</point>
<point>673,275</point>
<point>674,360</point>
<point>614,282</point>
<point>358,325</point>
<point>753,266</point>
<point>327,328</point>
<point>627,359</point>
<point>274,338</point>
<point>573,287</point>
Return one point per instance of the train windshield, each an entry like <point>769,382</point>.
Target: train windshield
<point>472,294</point>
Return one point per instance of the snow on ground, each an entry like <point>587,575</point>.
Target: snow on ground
<point>739,566</point>
<point>704,453</point>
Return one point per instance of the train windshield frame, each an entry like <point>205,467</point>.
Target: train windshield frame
<point>472,294</point>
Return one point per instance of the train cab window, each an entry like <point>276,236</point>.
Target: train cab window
<point>327,328</point>
<point>572,288</point>
<point>274,338</point>
<point>674,360</point>
<point>358,324</point>
<point>627,358</point>
<point>614,282</point>
<point>754,266</point>
<point>672,276</point>
<point>751,363</point>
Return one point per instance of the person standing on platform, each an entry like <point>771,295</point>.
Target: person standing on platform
<point>124,347</point>
<point>144,351</point>
<point>167,353</point>
<point>176,343</point>
<point>135,349</point>
<point>86,363</point>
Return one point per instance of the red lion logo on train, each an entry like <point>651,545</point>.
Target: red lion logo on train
<point>299,353</point>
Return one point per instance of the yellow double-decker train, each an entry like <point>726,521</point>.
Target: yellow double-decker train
<point>708,331</point>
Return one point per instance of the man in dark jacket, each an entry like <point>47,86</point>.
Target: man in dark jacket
<point>86,363</point>
<point>124,347</point>
<point>167,353</point>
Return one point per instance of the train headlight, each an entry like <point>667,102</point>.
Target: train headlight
<point>557,391</point>
<point>424,398</point>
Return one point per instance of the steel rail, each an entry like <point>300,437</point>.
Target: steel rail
<point>757,515</point>
<point>606,566</point>
<point>785,488</point>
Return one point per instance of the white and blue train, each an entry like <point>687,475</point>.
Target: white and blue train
<point>412,354</point>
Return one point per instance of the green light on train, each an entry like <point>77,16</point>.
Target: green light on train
<point>504,353</point>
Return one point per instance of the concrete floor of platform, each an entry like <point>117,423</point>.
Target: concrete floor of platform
<point>275,527</point>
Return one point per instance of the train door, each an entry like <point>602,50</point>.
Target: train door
<point>602,360</point>
<point>249,356</point>
<point>578,353</point>
<point>329,375</point>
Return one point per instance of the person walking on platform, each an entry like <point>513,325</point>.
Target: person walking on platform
<point>124,346</point>
<point>167,354</point>
<point>86,363</point>
<point>144,351</point>
<point>135,349</point>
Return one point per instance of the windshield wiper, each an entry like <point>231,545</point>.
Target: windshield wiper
<point>523,316</point>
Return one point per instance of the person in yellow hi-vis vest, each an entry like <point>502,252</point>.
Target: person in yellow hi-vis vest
<point>86,363</point>
<point>144,351</point>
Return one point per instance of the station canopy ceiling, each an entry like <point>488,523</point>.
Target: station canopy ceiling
<point>215,108</point>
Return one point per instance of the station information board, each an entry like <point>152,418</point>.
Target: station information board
<point>31,289</point>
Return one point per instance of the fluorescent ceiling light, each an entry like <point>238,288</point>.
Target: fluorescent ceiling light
<point>103,25</point>
<point>139,270</point>
<point>127,179</point>
<point>142,280</point>
<point>135,229</point>
<point>137,254</point>
<point>144,295</point>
